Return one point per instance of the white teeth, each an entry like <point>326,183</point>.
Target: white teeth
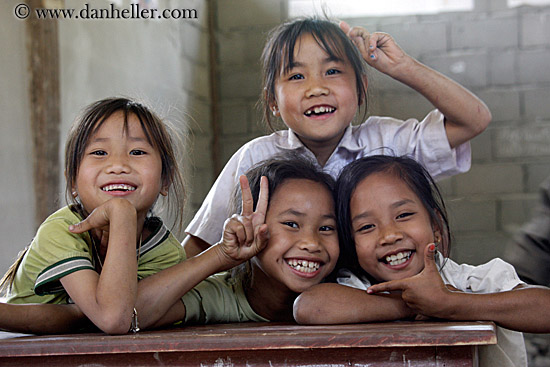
<point>318,110</point>
<point>114,187</point>
<point>304,266</point>
<point>398,258</point>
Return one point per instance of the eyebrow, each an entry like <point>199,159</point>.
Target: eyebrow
<point>326,60</point>
<point>395,205</point>
<point>300,214</point>
<point>101,140</point>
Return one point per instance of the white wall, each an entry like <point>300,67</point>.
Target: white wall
<point>16,182</point>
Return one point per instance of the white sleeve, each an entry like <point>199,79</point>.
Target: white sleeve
<point>425,141</point>
<point>494,276</point>
<point>347,278</point>
<point>207,224</point>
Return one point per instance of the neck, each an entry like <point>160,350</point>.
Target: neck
<point>268,297</point>
<point>322,149</point>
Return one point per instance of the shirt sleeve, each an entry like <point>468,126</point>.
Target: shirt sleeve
<point>207,223</point>
<point>494,276</point>
<point>55,253</point>
<point>425,141</point>
<point>218,299</point>
<point>347,278</point>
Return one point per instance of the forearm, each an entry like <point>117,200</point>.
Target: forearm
<point>520,309</point>
<point>465,115</point>
<point>41,318</point>
<point>116,290</point>
<point>160,294</point>
<point>331,303</point>
<point>194,245</point>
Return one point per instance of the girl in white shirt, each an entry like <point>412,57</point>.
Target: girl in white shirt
<point>315,81</point>
<point>393,234</point>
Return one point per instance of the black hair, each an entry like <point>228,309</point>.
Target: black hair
<point>278,55</point>
<point>412,174</point>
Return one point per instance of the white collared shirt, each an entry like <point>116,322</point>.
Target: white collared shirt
<point>494,276</point>
<point>425,141</point>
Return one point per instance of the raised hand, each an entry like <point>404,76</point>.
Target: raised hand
<point>246,234</point>
<point>425,293</point>
<point>378,49</point>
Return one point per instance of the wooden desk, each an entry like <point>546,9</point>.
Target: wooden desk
<point>253,344</point>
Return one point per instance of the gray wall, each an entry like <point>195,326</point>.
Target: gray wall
<point>501,54</point>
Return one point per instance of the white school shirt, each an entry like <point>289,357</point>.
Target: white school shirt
<point>494,276</point>
<point>425,141</point>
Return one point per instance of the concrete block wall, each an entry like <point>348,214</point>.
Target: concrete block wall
<point>500,54</point>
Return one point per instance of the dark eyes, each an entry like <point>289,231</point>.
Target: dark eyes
<point>291,224</point>
<point>100,152</point>
<point>366,227</point>
<point>296,77</point>
<point>404,215</point>
<point>333,72</point>
<point>326,228</point>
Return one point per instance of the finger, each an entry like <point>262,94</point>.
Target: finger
<point>247,200</point>
<point>345,27</point>
<point>81,227</point>
<point>234,229</point>
<point>248,229</point>
<point>262,237</point>
<point>393,285</point>
<point>263,198</point>
<point>429,257</point>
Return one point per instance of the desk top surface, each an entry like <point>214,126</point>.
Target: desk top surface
<point>255,336</point>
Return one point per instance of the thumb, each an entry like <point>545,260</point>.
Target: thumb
<point>429,257</point>
<point>80,227</point>
<point>262,237</point>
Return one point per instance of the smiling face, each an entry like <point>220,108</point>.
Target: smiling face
<point>317,98</point>
<point>303,241</point>
<point>390,226</point>
<point>119,162</point>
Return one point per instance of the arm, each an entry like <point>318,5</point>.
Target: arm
<point>41,318</point>
<point>193,245</point>
<point>518,309</point>
<point>244,236</point>
<point>108,299</point>
<point>465,115</point>
<point>331,303</point>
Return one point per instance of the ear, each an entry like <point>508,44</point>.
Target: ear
<point>274,109</point>
<point>164,188</point>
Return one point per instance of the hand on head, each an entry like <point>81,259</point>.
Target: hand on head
<point>246,234</point>
<point>378,49</point>
<point>425,292</point>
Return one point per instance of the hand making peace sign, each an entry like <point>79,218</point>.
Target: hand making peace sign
<point>246,234</point>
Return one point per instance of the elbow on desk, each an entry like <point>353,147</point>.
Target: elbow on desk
<point>114,323</point>
<point>306,311</point>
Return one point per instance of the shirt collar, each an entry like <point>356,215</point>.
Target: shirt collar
<point>292,141</point>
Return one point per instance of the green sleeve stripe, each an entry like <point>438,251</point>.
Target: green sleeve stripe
<point>60,269</point>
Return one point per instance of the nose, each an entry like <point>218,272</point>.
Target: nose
<point>309,242</point>
<point>118,163</point>
<point>389,234</point>
<point>316,87</point>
